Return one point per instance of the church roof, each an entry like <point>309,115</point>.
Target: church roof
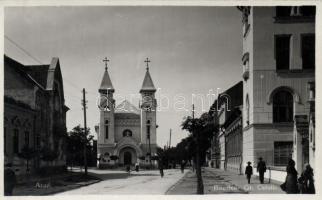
<point>126,107</point>
<point>147,82</point>
<point>106,83</point>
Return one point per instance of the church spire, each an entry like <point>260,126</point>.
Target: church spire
<point>147,82</point>
<point>106,83</point>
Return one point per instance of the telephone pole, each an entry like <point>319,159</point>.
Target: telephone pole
<point>85,130</point>
<point>170,139</point>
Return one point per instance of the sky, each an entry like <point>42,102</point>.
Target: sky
<point>194,51</point>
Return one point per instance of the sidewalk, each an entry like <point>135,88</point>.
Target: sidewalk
<point>254,187</point>
<point>51,185</point>
<point>222,182</point>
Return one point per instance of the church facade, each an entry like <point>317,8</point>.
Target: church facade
<point>126,134</point>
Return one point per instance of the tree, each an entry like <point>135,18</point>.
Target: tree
<point>28,154</point>
<point>75,145</point>
<point>201,130</point>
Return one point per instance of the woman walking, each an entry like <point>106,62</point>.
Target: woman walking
<point>291,186</point>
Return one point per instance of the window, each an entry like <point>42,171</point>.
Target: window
<point>283,11</point>
<point>295,12</point>
<point>308,51</point>
<point>282,52</point>
<point>247,110</point>
<point>245,60</point>
<point>127,133</point>
<point>246,24</point>
<point>148,124</point>
<point>26,138</point>
<point>307,11</point>
<point>15,141</point>
<point>282,153</point>
<point>282,107</point>
<point>106,129</point>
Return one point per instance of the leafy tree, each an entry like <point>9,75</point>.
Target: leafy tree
<point>28,154</point>
<point>201,130</point>
<point>75,145</point>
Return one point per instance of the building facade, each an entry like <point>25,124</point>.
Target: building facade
<point>126,134</point>
<point>34,113</point>
<point>228,140</point>
<point>278,65</point>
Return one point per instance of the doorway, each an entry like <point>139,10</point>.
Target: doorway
<point>127,158</point>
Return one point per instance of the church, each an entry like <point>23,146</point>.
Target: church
<point>126,133</point>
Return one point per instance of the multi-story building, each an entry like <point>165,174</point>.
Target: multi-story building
<point>278,66</point>
<point>227,141</point>
<point>34,113</point>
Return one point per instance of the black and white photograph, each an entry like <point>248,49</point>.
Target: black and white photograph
<point>159,99</point>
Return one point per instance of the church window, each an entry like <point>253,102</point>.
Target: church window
<point>106,129</point>
<point>16,141</point>
<point>282,107</point>
<point>282,52</point>
<point>127,133</point>
<point>148,125</point>
<point>308,51</point>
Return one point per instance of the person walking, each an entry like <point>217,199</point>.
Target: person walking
<point>182,166</point>
<point>291,178</point>
<point>261,169</point>
<point>306,181</point>
<point>249,171</point>
<point>137,167</point>
<point>161,167</point>
<point>9,179</point>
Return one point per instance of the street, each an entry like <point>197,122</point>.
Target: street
<point>120,182</point>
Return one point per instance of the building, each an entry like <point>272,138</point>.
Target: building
<point>278,65</point>
<point>34,113</point>
<point>227,141</point>
<point>126,132</point>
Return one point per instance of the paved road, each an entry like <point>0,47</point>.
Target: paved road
<point>119,182</point>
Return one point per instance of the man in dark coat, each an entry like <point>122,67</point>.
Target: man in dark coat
<point>306,181</point>
<point>161,167</point>
<point>9,180</point>
<point>261,169</point>
<point>249,171</point>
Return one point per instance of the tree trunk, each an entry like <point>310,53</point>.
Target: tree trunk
<point>200,188</point>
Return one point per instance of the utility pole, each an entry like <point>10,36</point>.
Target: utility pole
<point>85,131</point>
<point>170,139</point>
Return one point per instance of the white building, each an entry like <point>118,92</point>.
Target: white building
<point>278,65</point>
<point>126,131</point>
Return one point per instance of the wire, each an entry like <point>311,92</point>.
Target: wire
<point>23,50</point>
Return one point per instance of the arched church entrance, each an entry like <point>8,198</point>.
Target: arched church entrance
<point>128,156</point>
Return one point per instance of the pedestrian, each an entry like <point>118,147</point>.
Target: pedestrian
<point>261,169</point>
<point>128,168</point>
<point>291,186</point>
<point>306,181</point>
<point>9,179</point>
<point>249,171</point>
<point>182,166</point>
<point>137,167</point>
<point>161,167</point>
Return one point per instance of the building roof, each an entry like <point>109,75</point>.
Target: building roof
<point>39,73</point>
<point>147,83</point>
<point>106,83</point>
<point>127,107</point>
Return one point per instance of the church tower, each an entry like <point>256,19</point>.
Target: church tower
<point>148,113</point>
<point>106,138</point>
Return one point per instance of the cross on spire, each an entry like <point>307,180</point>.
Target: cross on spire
<point>147,63</point>
<point>106,61</point>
